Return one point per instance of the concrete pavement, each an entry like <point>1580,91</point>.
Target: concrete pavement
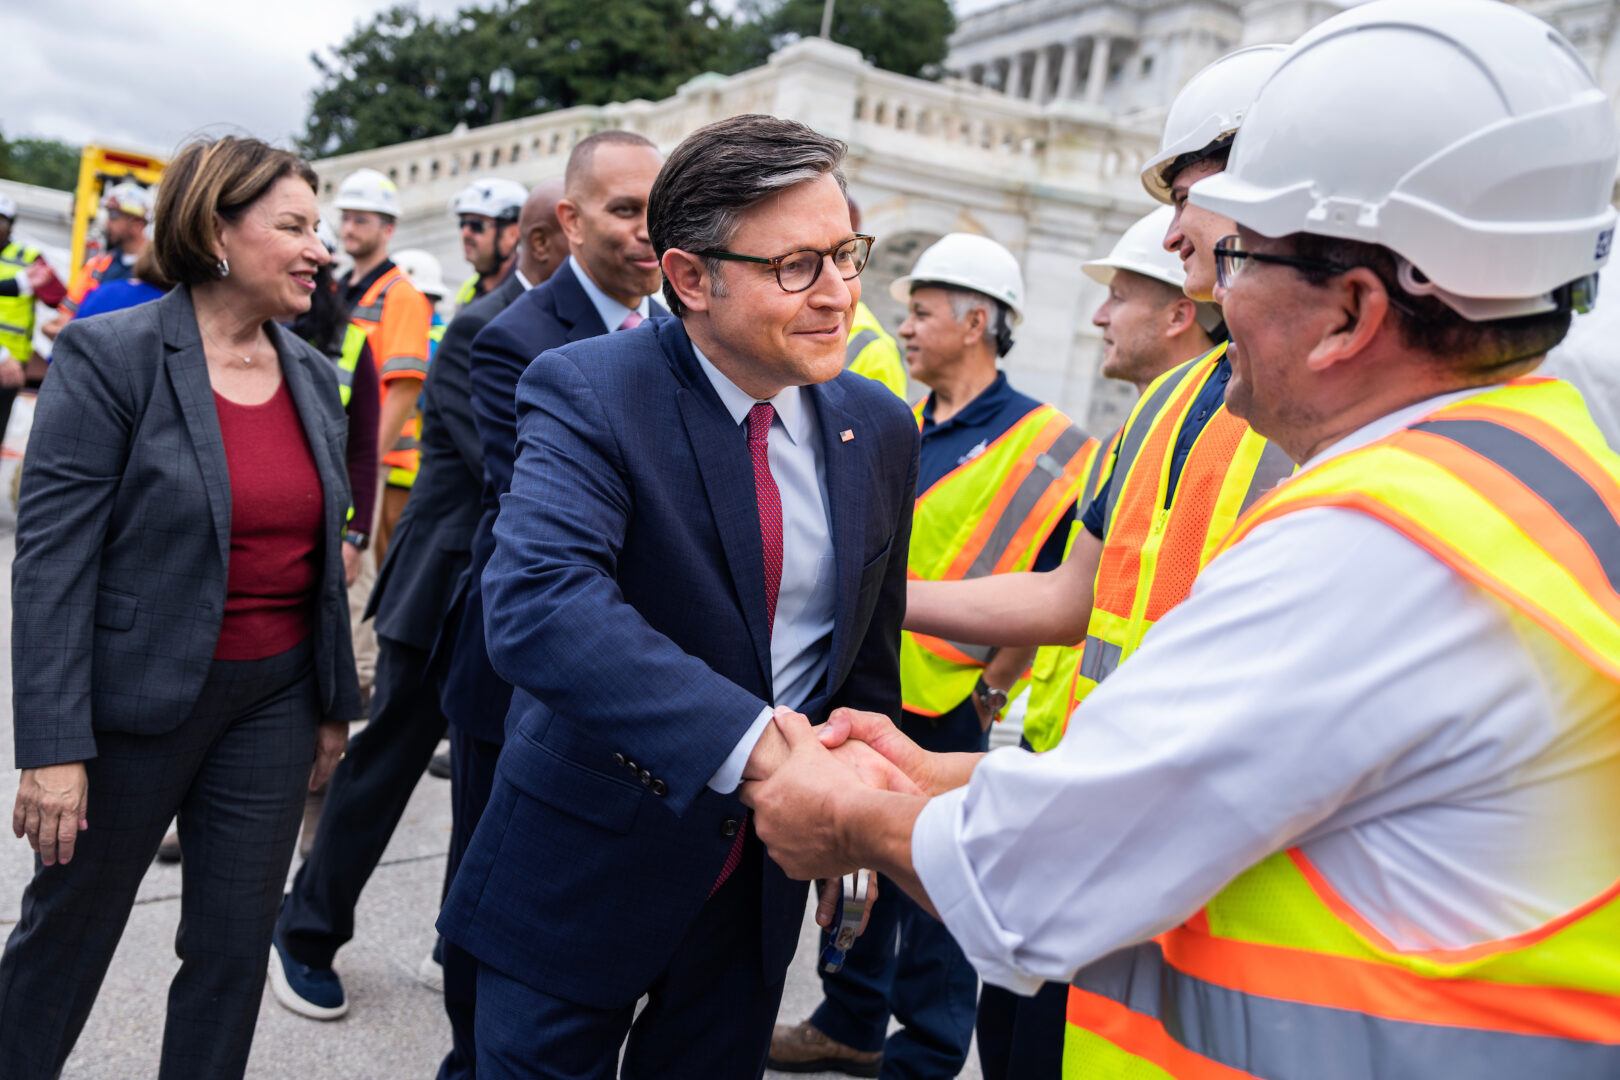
<point>395,1028</point>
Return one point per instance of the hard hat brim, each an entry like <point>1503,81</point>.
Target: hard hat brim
<point>900,290</point>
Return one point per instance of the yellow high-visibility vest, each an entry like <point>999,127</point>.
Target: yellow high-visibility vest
<point>989,515</point>
<point>872,352</point>
<point>1279,976</point>
<point>17,312</point>
<point>1153,542</point>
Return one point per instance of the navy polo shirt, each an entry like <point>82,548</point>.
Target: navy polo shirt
<point>1211,396</point>
<point>975,426</point>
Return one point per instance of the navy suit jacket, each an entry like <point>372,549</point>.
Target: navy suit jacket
<point>626,602</point>
<point>425,569</point>
<point>549,315</point>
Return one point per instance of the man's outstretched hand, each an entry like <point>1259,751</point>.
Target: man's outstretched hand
<point>847,727</point>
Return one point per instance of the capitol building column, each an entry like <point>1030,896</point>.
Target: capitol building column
<point>1097,77</point>
<point>1069,70</point>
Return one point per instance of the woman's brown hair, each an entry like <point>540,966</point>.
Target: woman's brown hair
<point>208,177</point>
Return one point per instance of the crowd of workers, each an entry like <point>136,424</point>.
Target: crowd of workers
<point>1321,647</point>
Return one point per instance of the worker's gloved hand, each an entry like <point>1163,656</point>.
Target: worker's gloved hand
<point>25,280</point>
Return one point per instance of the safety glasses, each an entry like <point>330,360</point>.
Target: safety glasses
<point>1230,257</point>
<point>474,225</point>
<point>798,270</point>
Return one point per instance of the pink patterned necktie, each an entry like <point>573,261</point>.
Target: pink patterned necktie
<point>631,321</point>
<point>769,501</point>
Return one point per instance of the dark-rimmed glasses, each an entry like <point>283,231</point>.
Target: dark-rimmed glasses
<point>474,225</point>
<point>1230,255</point>
<point>798,270</point>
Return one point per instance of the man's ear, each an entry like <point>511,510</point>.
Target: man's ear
<point>688,275</point>
<point>976,327</point>
<point>568,217</point>
<point>1181,317</point>
<point>1363,311</point>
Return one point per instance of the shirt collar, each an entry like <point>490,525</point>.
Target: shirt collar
<point>980,410</point>
<point>789,403</point>
<point>1390,423</point>
<point>612,312</point>
<point>523,281</point>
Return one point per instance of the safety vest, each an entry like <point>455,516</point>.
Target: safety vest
<point>1152,552</point>
<point>348,360</point>
<point>403,459</point>
<point>468,291</point>
<point>872,352</point>
<point>989,515</point>
<point>17,312</point>
<point>1046,714</point>
<point>1279,976</point>
<point>108,266</point>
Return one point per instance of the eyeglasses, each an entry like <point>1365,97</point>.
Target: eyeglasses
<point>474,225</point>
<point>1229,258</point>
<point>798,270</point>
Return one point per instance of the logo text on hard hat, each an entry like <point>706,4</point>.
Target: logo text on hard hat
<point>1604,242</point>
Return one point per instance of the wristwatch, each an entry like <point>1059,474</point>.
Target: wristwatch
<point>989,698</point>
<point>360,540</point>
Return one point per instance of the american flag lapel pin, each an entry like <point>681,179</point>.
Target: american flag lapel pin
<point>847,435</point>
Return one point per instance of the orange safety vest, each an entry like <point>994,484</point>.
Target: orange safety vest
<point>1046,714</point>
<point>87,280</point>
<point>989,515</point>
<point>397,318</point>
<point>1279,977</point>
<point>1152,551</point>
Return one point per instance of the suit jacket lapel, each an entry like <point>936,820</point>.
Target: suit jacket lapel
<point>845,465</point>
<point>721,450</point>
<point>188,374</point>
<point>574,307</point>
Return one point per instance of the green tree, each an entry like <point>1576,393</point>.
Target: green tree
<point>406,76</point>
<point>907,36</point>
<point>45,162</point>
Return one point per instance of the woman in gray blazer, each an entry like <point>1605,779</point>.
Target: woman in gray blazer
<point>180,636</point>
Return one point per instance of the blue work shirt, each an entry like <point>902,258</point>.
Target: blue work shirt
<point>964,436</point>
<point>1211,396</point>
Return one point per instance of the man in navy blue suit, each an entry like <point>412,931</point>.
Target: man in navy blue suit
<point>707,521</point>
<point>603,286</point>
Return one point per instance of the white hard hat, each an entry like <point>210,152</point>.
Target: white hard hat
<point>966,261</point>
<point>1210,108</point>
<point>8,207</point>
<point>497,198</point>
<point>1466,137</point>
<point>423,270</point>
<point>323,233</point>
<point>1141,251</point>
<point>368,189</point>
<point>128,197</point>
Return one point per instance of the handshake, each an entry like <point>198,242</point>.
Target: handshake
<point>829,799</point>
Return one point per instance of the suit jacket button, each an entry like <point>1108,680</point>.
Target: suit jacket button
<point>729,827</point>
<point>619,759</point>
<point>646,778</point>
<point>659,788</point>
<point>632,766</point>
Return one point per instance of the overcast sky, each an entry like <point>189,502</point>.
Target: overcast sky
<point>145,74</point>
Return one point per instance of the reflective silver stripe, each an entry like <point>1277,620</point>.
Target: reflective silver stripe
<point>413,365</point>
<point>858,344</point>
<point>1135,435</point>
<point>1024,500</point>
<point>1099,659</point>
<point>7,328</point>
<point>1290,1040</point>
<point>1273,467</point>
<point>345,376</point>
<point>1540,470</point>
<point>979,653</point>
<point>1094,474</point>
<point>368,312</point>
<point>405,442</point>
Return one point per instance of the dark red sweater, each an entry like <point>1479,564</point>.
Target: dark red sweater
<point>276,523</point>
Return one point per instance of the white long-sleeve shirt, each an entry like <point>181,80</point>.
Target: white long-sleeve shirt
<point>1452,770</point>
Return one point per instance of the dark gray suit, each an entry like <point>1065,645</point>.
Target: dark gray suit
<point>118,593</point>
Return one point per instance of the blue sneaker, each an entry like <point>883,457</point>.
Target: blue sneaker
<point>313,992</point>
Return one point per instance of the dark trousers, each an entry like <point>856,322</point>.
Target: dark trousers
<point>1021,1038</point>
<point>235,772</point>
<point>907,964</point>
<point>472,775</point>
<point>364,802</point>
<point>708,1014</point>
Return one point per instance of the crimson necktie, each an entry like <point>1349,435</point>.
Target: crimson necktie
<point>769,501</point>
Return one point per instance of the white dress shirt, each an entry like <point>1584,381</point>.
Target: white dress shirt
<point>612,312</point>
<point>1452,770</point>
<point>807,593</point>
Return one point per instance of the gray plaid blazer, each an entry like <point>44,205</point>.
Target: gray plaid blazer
<point>123,532</point>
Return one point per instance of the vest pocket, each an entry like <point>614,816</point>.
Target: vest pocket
<point>115,610</point>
